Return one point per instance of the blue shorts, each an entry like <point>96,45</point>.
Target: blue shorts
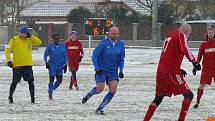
<point>55,72</point>
<point>106,77</point>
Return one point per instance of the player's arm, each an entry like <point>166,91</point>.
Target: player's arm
<point>65,55</point>
<point>46,54</point>
<point>187,52</point>
<point>185,49</point>
<point>81,50</point>
<point>201,50</point>
<point>67,51</point>
<point>35,40</point>
<point>96,53</point>
<point>122,59</point>
<point>8,49</point>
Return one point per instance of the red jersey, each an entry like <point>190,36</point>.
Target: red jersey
<point>74,49</point>
<point>174,48</point>
<point>207,51</point>
<point>74,52</point>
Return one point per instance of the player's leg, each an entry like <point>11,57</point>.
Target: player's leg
<point>112,82</point>
<point>100,85</point>
<point>152,107</point>
<point>199,95</point>
<point>50,86</point>
<point>71,82</point>
<point>112,90</point>
<point>74,79</point>
<point>52,74</point>
<point>16,79</point>
<point>185,105</point>
<point>58,82</point>
<point>28,76</point>
<point>206,78</point>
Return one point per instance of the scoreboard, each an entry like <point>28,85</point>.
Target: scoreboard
<point>97,26</point>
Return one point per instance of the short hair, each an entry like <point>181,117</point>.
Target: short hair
<point>55,35</point>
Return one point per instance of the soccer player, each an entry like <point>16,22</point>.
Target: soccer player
<point>56,62</point>
<point>75,54</point>
<point>107,57</point>
<point>207,51</point>
<point>21,63</point>
<point>169,78</point>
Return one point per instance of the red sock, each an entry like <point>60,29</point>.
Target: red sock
<point>199,95</point>
<point>150,112</point>
<point>184,109</point>
<point>75,83</point>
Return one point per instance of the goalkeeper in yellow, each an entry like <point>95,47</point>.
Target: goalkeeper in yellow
<point>21,61</point>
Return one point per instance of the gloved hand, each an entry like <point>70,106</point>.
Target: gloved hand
<point>28,35</point>
<point>80,58</point>
<point>194,71</point>
<point>10,64</point>
<point>99,72</point>
<point>197,66</point>
<point>65,68</point>
<point>183,72</point>
<point>121,75</point>
<point>47,66</point>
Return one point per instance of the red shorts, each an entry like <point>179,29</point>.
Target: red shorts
<point>73,64</point>
<point>170,83</point>
<point>207,76</point>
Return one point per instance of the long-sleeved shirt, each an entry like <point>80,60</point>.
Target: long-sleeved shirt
<point>21,49</point>
<point>109,56</point>
<point>207,51</point>
<point>55,56</point>
<point>174,48</point>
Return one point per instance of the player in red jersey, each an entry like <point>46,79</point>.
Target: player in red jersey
<point>207,51</point>
<point>169,78</point>
<point>75,54</point>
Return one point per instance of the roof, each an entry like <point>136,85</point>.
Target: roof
<point>201,21</point>
<point>51,9</point>
<point>197,21</point>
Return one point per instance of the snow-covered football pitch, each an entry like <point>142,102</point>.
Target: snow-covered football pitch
<point>135,93</point>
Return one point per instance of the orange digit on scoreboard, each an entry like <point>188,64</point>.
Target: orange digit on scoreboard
<point>90,23</point>
<point>95,31</point>
<point>108,23</point>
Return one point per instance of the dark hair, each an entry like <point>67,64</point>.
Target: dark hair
<point>55,35</point>
<point>206,36</point>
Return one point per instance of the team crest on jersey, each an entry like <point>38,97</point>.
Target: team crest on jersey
<point>73,47</point>
<point>209,50</point>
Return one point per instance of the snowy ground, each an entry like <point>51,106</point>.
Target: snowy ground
<point>135,92</point>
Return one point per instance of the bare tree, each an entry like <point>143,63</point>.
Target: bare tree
<point>144,6</point>
<point>10,12</point>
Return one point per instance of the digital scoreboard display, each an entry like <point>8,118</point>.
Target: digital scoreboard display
<point>97,26</point>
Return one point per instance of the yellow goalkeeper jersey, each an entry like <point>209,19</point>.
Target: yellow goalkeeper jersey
<point>21,48</point>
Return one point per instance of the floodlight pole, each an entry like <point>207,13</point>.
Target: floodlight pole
<point>154,23</point>
<point>89,44</point>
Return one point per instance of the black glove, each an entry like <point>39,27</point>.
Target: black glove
<point>79,59</point>
<point>98,72</point>
<point>10,64</point>
<point>197,66</point>
<point>121,75</point>
<point>28,35</point>
<point>194,71</point>
<point>183,72</point>
<point>47,66</point>
<point>65,68</point>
